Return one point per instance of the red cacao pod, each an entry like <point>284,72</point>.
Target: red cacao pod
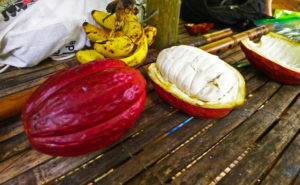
<point>276,56</point>
<point>84,108</point>
<point>202,28</point>
<point>196,82</point>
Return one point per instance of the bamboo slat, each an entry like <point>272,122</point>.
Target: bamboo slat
<point>197,144</point>
<point>257,163</point>
<point>160,149</point>
<point>229,149</point>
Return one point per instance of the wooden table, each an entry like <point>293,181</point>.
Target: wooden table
<point>258,143</point>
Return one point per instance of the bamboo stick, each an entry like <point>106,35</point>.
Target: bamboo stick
<point>229,42</point>
<point>224,44</point>
<point>211,37</point>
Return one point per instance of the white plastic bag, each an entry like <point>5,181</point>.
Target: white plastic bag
<point>45,28</point>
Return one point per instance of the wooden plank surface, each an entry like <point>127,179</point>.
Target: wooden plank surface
<point>168,146</point>
<point>287,168</point>
<point>11,128</point>
<point>186,153</point>
<point>205,168</point>
<point>31,77</point>
<point>262,157</point>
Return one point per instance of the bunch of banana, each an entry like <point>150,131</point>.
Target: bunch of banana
<point>121,37</point>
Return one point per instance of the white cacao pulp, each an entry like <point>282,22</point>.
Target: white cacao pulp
<point>198,77</point>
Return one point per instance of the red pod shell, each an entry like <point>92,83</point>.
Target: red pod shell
<point>197,112</point>
<point>84,108</point>
<point>195,29</point>
<point>272,64</point>
<point>271,69</point>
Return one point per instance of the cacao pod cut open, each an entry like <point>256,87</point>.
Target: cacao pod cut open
<point>196,82</point>
<point>276,56</point>
<point>84,108</point>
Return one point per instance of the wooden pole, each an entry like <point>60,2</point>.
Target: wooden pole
<point>166,21</point>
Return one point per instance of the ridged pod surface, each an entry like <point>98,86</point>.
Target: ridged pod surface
<point>276,56</point>
<point>84,108</point>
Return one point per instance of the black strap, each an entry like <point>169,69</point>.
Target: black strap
<point>224,12</point>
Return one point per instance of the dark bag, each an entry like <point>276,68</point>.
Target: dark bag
<point>238,13</point>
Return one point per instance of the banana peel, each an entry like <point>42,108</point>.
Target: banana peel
<point>85,56</point>
<point>108,21</point>
<point>104,19</point>
<point>133,30</point>
<point>117,47</point>
<point>150,32</point>
<point>95,33</point>
<point>139,55</point>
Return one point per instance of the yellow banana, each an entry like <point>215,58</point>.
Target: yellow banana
<point>116,47</point>
<point>85,56</point>
<point>104,19</point>
<point>123,17</point>
<point>129,23</point>
<point>139,55</point>
<point>133,30</point>
<point>127,40</point>
<point>108,21</point>
<point>150,32</point>
<point>95,33</point>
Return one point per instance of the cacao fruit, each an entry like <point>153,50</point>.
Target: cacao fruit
<point>202,28</point>
<point>196,82</point>
<point>84,108</point>
<point>276,56</point>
